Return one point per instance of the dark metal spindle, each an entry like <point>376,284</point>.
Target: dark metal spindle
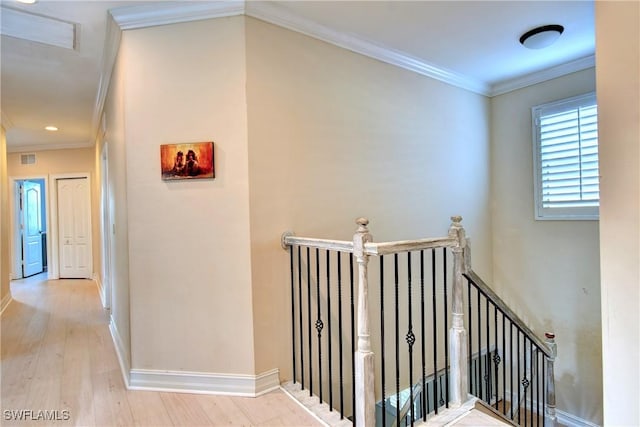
<point>531,376</point>
<point>330,382</point>
<point>538,358</point>
<point>446,324</point>
<point>300,317</point>
<point>397,342</point>
<point>487,363</point>
<point>470,335</point>
<point>496,356</point>
<point>319,324</point>
<point>504,368</point>
<point>435,330</point>
<point>544,390</point>
<point>479,385</point>
<point>293,314</point>
<point>309,324</point>
<point>518,382</point>
<point>339,256</point>
<point>411,339</point>
<point>353,344</point>
<point>425,392</point>
<point>511,366</point>
<point>383,363</point>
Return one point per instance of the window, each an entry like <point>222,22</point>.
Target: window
<point>566,158</point>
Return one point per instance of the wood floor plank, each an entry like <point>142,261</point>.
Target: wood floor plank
<point>58,355</point>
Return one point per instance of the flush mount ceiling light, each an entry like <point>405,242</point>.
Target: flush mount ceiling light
<point>51,128</point>
<point>27,1</point>
<point>541,37</point>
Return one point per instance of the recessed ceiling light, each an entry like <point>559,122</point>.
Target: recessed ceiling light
<point>541,37</point>
<point>51,128</point>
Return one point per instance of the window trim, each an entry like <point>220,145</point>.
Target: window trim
<point>588,213</point>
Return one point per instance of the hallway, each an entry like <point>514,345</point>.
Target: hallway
<point>58,356</point>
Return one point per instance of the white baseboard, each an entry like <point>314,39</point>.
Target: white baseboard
<point>570,420</point>
<point>96,278</point>
<point>204,383</point>
<point>123,358</point>
<point>6,300</point>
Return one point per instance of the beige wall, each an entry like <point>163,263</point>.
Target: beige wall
<point>335,135</point>
<point>189,255</point>
<point>48,162</point>
<point>5,238</point>
<point>547,271</point>
<point>618,83</point>
<point>116,188</point>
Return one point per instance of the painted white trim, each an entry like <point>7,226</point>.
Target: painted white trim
<point>571,420</point>
<point>96,278</point>
<point>204,382</point>
<point>6,300</point>
<point>542,76</point>
<point>111,47</point>
<point>123,358</point>
<point>149,15</point>
<point>46,147</point>
<point>277,15</point>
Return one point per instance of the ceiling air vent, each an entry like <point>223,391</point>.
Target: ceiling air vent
<point>27,159</point>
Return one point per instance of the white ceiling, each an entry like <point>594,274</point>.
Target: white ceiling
<point>473,44</point>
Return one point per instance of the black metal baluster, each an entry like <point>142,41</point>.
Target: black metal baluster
<point>518,382</point>
<point>411,339</point>
<point>309,323</point>
<point>353,345</point>
<point>487,362</point>
<point>339,256</point>
<point>479,385</point>
<point>446,324</point>
<point>301,324</point>
<point>293,314</point>
<point>425,391</point>
<point>470,335</point>
<point>538,353</point>
<point>435,329</point>
<point>531,378</point>
<point>319,324</point>
<point>504,368</point>
<point>544,391</point>
<point>496,354</point>
<point>383,363</point>
<point>511,365</point>
<point>329,336</point>
<point>397,342</point>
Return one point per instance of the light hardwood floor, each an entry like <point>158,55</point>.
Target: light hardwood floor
<point>57,355</point>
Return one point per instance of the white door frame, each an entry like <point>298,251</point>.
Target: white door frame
<point>105,222</point>
<point>14,207</point>
<point>54,265</point>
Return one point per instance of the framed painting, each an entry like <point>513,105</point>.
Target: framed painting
<point>187,161</point>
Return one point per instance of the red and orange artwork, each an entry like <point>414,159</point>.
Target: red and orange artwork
<point>187,161</point>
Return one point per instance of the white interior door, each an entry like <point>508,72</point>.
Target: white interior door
<point>74,228</point>
<point>31,224</point>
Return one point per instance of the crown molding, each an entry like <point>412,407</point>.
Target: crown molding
<point>31,148</point>
<point>542,76</point>
<point>153,14</point>
<point>277,15</point>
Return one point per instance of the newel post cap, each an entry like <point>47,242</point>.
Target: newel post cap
<point>362,224</point>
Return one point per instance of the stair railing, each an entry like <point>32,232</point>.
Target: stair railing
<point>345,373</point>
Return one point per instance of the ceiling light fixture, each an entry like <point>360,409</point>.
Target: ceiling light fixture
<point>541,37</point>
<point>51,128</point>
<point>27,1</point>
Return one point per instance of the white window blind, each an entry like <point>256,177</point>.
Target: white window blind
<point>566,157</point>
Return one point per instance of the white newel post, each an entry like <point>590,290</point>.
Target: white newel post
<point>551,381</point>
<point>458,351</point>
<point>365,395</point>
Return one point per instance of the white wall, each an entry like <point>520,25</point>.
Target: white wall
<point>117,206</point>
<point>334,135</point>
<point>5,235</point>
<point>547,271</point>
<point>618,83</point>
<point>189,255</point>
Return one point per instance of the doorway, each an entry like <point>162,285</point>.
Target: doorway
<point>29,227</point>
